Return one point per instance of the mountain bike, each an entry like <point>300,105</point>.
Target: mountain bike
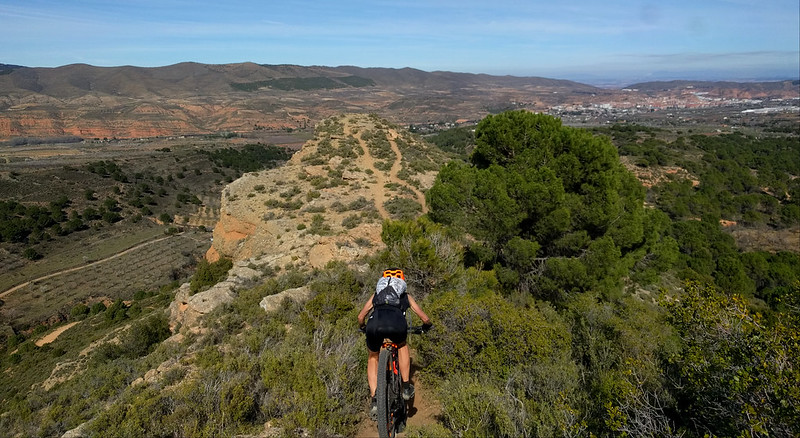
<point>389,393</point>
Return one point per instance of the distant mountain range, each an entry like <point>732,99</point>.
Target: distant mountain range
<point>190,78</point>
<point>186,98</point>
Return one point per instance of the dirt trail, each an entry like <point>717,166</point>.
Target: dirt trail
<point>396,166</point>
<point>378,190</point>
<point>52,336</point>
<point>424,409</point>
<point>78,268</point>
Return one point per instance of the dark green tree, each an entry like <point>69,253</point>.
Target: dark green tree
<point>542,197</point>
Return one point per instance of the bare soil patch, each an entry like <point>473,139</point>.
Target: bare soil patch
<point>654,175</point>
<point>52,336</point>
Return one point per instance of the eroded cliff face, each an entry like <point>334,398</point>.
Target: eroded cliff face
<point>330,200</point>
<point>104,119</point>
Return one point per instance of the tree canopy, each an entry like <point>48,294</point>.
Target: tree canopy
<point>542,198</point>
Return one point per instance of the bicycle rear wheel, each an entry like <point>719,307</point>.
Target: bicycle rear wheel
<point>384,395</point>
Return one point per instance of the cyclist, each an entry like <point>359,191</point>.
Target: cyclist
<point>388,320</point>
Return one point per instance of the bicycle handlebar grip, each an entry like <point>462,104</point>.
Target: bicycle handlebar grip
<point>420,329</point>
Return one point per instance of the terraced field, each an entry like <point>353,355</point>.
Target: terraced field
<point>144,267</point>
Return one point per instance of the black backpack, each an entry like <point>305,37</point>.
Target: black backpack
<point>387,296</point>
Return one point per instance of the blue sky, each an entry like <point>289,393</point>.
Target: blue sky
<point>579,39</point>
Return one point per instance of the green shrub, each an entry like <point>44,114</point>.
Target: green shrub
<point>486,334</point>
<point>351,221</point>
<point>209,274</point>
<point>143,335</point>
<point>14,358</point>
<point>403,208</point>
<point>31,254</point>
<point>471,408</point>
<point>97,308</point>
<point>427,251</point>
<point>736,371</point>
<point>315,209</point>
<point>318,225</point>
<point>117,312</point>
<point>313,194</point>
<point>79,312</point>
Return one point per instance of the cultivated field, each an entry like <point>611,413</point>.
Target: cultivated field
<point>142,268</point>
<point>163,198</point>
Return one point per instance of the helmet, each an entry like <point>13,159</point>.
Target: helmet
<point>396,273</point>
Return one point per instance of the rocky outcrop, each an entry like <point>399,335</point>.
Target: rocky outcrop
<point>271,303</point>
<point>187,309</point>
<point>154,375</point>
<point>327,203</point>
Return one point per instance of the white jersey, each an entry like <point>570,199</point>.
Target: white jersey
<point>398,284</point>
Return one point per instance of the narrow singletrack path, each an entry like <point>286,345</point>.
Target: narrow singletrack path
<point>378,190</point>
<point>424,410</point>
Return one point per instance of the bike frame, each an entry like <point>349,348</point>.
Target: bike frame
<point>391,406</point>
<point>392,409</point>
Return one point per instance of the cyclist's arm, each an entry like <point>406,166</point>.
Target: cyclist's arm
<point>415,307</point>
<point>362,316</point>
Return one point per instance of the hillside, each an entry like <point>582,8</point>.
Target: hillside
<point>357,171</point>
<point>125,102</point>
<point>326,204</point>
<point>189,98</point>
<point>567,298</point>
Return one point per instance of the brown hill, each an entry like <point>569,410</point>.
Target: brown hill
<point>752,90</point>
<point>192,98</point>
<point>187,98</point>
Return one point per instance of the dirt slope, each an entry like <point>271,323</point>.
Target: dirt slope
<point>330,200</point>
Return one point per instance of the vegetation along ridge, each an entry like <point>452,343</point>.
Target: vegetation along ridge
<point>615,280</point>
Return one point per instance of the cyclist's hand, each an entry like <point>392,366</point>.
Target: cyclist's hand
<point>426,327</point>
<point>363,328</point>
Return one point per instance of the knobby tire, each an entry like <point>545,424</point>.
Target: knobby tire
<point>383,394</point>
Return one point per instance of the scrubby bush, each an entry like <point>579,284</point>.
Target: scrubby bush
<point>477,333</point>
<point>428,252</point>
<point>735,372</point>
<point>209,274</point>
<point>351,221</point>
<point>145,334</point>
<point>97,308</point>
<point>403,208</point>
<point>79,312</point>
